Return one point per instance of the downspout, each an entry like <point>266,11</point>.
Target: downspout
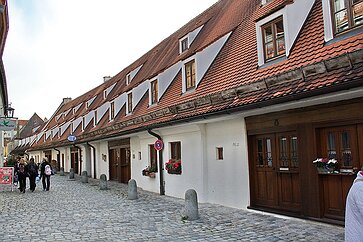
<point>161,169</point>
<point>94,159</point>
<point>80,158</point>
<point>58,161</point>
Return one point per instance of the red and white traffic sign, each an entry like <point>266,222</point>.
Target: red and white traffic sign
<point>158,145</point>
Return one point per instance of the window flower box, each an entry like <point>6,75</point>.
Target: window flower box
<point>173,167</point>
<point>325,165</point>
<point>149,171</point>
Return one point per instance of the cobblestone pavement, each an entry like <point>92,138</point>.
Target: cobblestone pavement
<point>75,211</point>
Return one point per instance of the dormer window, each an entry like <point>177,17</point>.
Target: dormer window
<point>273,39</point>
<point>190,75</point>
<point>264,2</point>
<point>104,94</point>
<point>128,79</point>
<point>129,103</point>
<point>95,118</point>
<point>112,111</point>
<point>184,44</point>
<point>347,14</point>
<point>83,123</point>
<point>154,92</point>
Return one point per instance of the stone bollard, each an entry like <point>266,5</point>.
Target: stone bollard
<point>61,172</point>
<point>84,177</point>
<point>191,205</point>
<point>103,182</point>
<point>132,190</point>
<point>71,173</point>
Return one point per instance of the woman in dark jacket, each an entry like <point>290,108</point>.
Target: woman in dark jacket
<point>21,171</point>
<point>32,169</point>
<point>43,174</point>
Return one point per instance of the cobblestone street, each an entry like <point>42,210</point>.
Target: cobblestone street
<point>73,211</point>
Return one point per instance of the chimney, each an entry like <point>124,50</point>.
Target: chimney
<point>66,100</point>
<point>106,78</point>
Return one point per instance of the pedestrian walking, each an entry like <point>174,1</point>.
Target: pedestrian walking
<point>45,173</point>
<point>354,211</point>
<point>33,173</point>
<point>21,171</point>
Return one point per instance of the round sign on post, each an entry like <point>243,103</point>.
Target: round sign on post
<point>158,145</point>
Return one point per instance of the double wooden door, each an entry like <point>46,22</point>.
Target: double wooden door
<point>275,168</point>
<point>74,160</point>
<point>120,169</point>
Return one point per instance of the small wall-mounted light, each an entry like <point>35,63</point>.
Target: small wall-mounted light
<point>9,112</point>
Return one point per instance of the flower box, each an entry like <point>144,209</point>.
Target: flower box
<point>173,167</point>
<point>325,165</point>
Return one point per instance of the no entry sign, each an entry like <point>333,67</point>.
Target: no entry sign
<point>158,145</point>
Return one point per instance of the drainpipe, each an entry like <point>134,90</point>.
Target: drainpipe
<point>80,158</point>
<point>58,161</point>
<point>161,169</point>
<point>94,159</point>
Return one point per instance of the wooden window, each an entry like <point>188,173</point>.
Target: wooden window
<point>288,150</point>
<point>153,158</point>
<point>129,102</point>
<point>112,111</point>
<point>95,118</point>
<point>190,75</point>
<point>219,153</point>
<point>264,152</point>
<point>346,14</point>
<point>273,39</point>
<point>128,79</point>
<point>341,144</point>
<point>184,44</point>
<point>154,92</point>
<point>175,150</point>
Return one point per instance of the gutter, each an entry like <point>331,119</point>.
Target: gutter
<point>161,170</point>
<point>94,159</point>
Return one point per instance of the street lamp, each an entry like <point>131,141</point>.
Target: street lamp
<point>9,112</point>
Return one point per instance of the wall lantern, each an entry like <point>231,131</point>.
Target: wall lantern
<point>9,112</point>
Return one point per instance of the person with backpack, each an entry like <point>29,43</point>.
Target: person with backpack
<point>21,171</point>
<point>33,173</point>
<point>45,173</point>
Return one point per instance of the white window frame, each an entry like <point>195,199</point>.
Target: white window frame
<point>184,81</point>
<point>150,92</point>
<point>259,34</point>
<point>112,103</point>
<point>128,79</point>
<point>181,45</point>
<point>128,112</point>
<point>95,118</point>
<point>104,94</point>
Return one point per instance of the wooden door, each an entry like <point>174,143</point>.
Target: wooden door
<point>289,193</point>
<point>125,168</point>
<point>340,143</point>
<point>114,156</point>
<point>265,180</point>
<point>74,160</point>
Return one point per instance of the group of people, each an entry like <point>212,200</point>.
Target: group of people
<point>24,169</point>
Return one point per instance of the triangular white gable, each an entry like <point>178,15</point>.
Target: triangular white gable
<point>109,89</point>
<point>39,136</point>
<point>64,127</point>
<point>75,109</point>
<point>67,112</point>
<point>166,78</point>
<point>47,134</point>
<point>89,116</point>
<point>76,123</point>
<point>119,103</point>
<point>55,131</point>
<point>206,57</point>
<point>89,102</point>
<point>138,92</point>
<point>134,72</point>
<point>102,110</point>
<point>192,35</point>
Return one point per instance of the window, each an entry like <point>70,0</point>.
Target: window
<point>87,105</point>
<point>184,45</point>
<point>153,158</point>
<point>263,2</point>
<point>273,39</point>
<point>83,123</point>
<point>219,153</point>
<point>129,103</point>
<point>128,79</point>
<point>154,92</point>
<point>174,165</point>
<point>95,118</point>
<point>347,14</point>
<point>104,94</point>
<point>264,152</point>
<point>288,153</point>
<point>112,111</point>
<point>190,75</point>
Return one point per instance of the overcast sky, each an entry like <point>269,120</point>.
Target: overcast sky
<point>64,48</point>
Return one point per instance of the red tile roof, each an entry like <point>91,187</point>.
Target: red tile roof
<point>233,81</point>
